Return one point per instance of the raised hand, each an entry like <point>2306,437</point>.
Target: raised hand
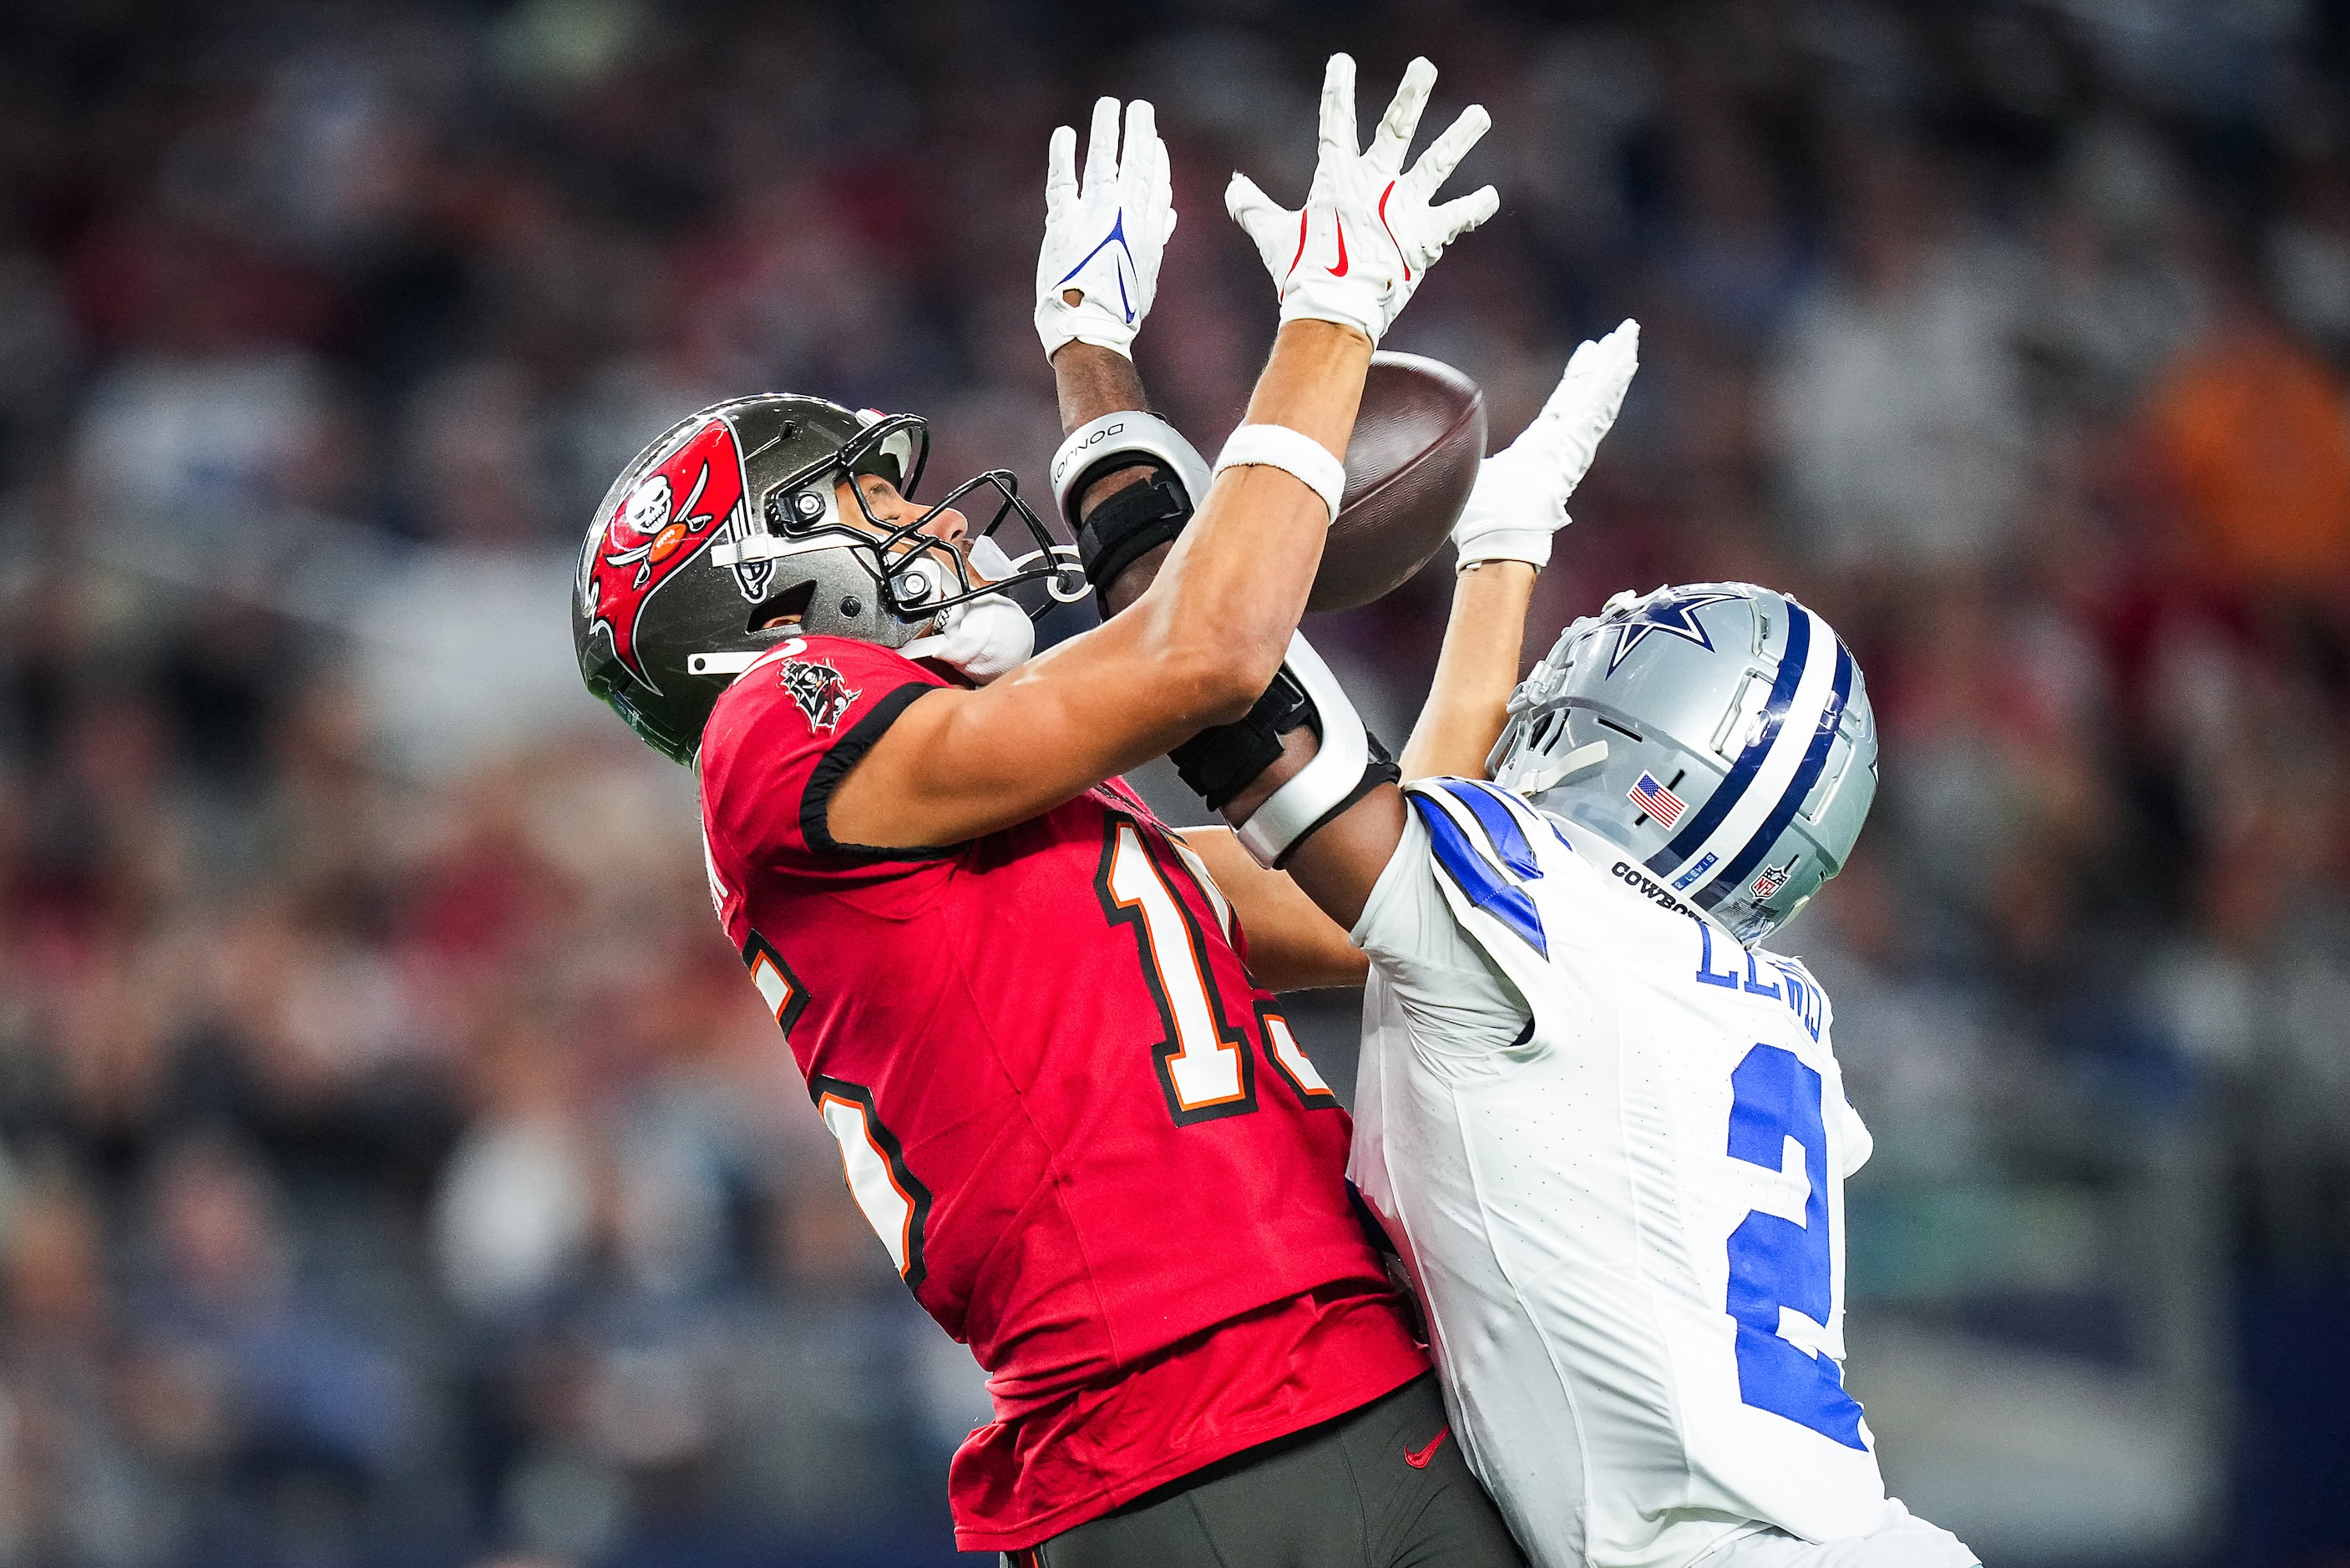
<point>1099,269</point>
<point>1520,498</point>
<point>1367,234</point>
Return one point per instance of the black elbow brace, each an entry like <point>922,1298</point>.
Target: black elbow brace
<point>1222,761</point>
<point>1127,522</point>
<point>1139,517</point>
<point>1219,763</point>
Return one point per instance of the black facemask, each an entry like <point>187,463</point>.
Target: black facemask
<point>913,564</point>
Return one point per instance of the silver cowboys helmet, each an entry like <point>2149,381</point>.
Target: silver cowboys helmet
<point>1719,733</point>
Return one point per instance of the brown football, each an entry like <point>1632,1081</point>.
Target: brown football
<point>1417,444</point>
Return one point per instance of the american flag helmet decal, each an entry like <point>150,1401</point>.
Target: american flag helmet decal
<point>1657,801</point>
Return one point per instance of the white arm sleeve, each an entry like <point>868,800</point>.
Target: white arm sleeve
<point>1458,1004</point>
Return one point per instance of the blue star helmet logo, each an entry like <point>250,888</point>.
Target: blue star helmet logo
<point>1672,615</point>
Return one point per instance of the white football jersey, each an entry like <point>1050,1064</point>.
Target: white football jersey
<point>1611,1144</point>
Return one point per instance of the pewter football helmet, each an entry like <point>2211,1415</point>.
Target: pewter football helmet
<point>732,518</point>
<point>1719,732</point>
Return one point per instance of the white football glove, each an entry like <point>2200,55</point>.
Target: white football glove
<point>1367,233</point>
<point>1520,497</point>
<point>1103,239</point>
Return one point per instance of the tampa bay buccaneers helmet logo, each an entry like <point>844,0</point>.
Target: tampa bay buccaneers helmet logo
<point>660,525</point>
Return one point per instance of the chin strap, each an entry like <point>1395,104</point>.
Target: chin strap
<point>981,638</point>
<point>1349,762</point>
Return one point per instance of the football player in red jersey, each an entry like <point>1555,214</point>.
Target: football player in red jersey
<point>1088,1141</point>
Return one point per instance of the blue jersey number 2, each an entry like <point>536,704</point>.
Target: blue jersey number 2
<point>1775,1263</point>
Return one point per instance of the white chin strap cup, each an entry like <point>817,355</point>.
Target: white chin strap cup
<point>1334,776</point>
<point>983,639</point>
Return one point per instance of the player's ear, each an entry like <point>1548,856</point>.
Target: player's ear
<point>786,608</point>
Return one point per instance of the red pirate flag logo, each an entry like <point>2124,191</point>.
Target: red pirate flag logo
<point>819,690</point>
<point>660,525</point>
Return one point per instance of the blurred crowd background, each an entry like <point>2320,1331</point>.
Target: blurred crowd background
<point>395,1166</point>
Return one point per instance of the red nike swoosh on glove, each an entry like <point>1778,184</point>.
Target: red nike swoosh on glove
<point>1340,270</point>
<point>1419,1461</point>
<point>1383,224</point>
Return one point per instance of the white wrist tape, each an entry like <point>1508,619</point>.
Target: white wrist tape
<point>1291,451</point>
<point>1129,432</point>
<point>1335,777</point>
<point>1530,545</point>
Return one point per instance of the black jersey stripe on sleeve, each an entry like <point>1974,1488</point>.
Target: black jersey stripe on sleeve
<point>816,801</point>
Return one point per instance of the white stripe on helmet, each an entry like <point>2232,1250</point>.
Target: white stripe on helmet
<point>1815,690</point>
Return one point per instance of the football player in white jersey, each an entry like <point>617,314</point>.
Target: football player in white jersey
<point>1605,1128</point>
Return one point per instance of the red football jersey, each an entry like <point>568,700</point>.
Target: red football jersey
<point>1090,1144</point>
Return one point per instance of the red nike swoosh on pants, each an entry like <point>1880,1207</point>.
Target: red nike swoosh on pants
<point>1418,1461</point>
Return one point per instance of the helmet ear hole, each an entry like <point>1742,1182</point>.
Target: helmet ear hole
<point>792,604</point>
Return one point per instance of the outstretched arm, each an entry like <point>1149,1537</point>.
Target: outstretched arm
<point>1203,640</point>
<point>1469,699</point>
<point>1194,651</point>
<point>1092,294</point>
<point>1089,382</point>
<point>1503,538</point>
<point>1292,946</point>
<point>1092,382</point>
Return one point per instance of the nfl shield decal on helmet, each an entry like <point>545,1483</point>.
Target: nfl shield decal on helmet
<point>1773,878</point>
<point>819,690</point>
<point>661,524</point>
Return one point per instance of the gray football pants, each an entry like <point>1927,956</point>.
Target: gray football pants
<point>1381,1487</point>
